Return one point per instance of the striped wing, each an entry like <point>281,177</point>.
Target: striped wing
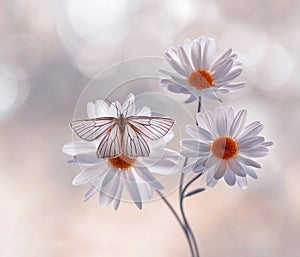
<point>151,127</point>
<point>105,129</point>
<point>138,131</point>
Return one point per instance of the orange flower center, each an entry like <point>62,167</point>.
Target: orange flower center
<point>201,79</point>
<point>122,162</point>
<point>224,148</point>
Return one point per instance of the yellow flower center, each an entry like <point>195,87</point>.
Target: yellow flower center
<point>122,162</point>
<point>201,79</point>
<point>224,148</point>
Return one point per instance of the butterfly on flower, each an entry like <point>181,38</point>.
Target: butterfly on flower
<point>121,130</point>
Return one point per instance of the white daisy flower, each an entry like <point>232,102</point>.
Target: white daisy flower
<point>109,176</point>
<point>224,146</point>
<point>197,74</point>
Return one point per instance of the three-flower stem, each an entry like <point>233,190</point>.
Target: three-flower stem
<point>182,195</point>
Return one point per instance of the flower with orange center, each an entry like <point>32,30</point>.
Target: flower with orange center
<point>201,79</point>
<point>110,176</point>
<point>197,74</point>
<point>224,146</point>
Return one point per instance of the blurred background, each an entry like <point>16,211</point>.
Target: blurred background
<point>50,50</point>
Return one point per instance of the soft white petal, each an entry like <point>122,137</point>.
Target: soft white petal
<point>236,167</point>
<point>210,180</point>
<point>221,169</point>
<point>164,166</point>
<point>198,132</point>
<point>248,162</point>
<point>221,121</point>
<point>171,155</point>
<point>194,145</point>
<point>144,111</point>
<point>212,161</point>
<point>89,158</point>
<point>128,107</point>
<point>246,143</point>
<point>89,175</point>
<point>250,172</point>
<point>251,130</point>
<point>93,190</point>
<point>238,123</point>
<point>222,70</point>
<point>109,176</point>
<point>230,76</point>
<point>208,53</point>
<point>144,188</point>
<point>79,147</point>
<point>184,59</point>
<point>102,109</point>
<point>255,152</point>
<point>190,99</point>
<point>108,192</point>
<point>222,58</point>
<point>242,182</point>
<point>229,177</point>
<point>148,177</point>
<point>267,144</point>
<point>176,65</point>
<point>91,110</point>
<point>196,54</point>
<point>196,166</point>
<point>210,121</point>
<point>118,196</point>
<point>132,188</point>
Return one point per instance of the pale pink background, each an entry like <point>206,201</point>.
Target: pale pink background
<point>50,49</point>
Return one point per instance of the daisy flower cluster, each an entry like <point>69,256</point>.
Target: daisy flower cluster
<point>221,141</point>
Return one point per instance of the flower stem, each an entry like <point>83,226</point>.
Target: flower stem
<point>186,232</point>
<point>181,198</point>
<point>187,225</point>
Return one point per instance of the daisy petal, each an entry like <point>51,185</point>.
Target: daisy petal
<point>208,53</point>
<point>255,152</point>
<point>229,177</point>
<point>248,162</point>
<point>78,147</point>
<point>108,193</point>
<point>102,110</point>
<point>236,168</point>
<point>196,146</point>
<point>221,122</point>
<point>246,143</point>
<point>238,123</point>
<point>250,172</point>
<point>93,190</point>
<point>242,182</point>
<point>148,177</point>
<point>220,170</point>
<point>190,99</point>
<point>118,196</point>
<point>133,189</point>
<point>198,132</point>
<point>91,110</point>
<point>89,175</point>
<point>196,54</point>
